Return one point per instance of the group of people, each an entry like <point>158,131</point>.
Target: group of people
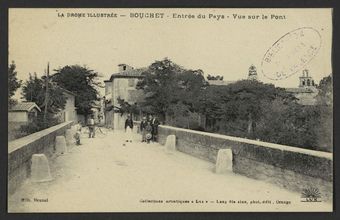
<point>148,129</point>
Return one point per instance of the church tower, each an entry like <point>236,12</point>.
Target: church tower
<point>306,80</point>
<point>252,74</point>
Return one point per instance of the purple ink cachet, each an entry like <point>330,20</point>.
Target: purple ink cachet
<point>291,53</point>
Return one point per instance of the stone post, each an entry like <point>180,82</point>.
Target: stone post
<point>40,169</point>
<point>224,161</point>
<point>60,145</point>
<point>170,143</point>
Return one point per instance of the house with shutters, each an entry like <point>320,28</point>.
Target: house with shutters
<point>121,85</point>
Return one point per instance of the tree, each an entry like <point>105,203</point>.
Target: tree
<point>13,83</point>
<point>166,83</point>
<point>325,95</point>
<point>83,82</point>
<point>237,107</point>
<point>324,130</point>
<point>218,77</point>
<point>34,89</point>
<point>125,107</point>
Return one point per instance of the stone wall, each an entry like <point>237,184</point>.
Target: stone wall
<point>21,150</point>
<point>289,167</point>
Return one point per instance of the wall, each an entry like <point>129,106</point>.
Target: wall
<point>18,116</point>
<point>125,89</point>
<point>14,130</point>
<point>21,150</point>
<point>70,110</point>
<point>289,167</point>
<point>306,98</point>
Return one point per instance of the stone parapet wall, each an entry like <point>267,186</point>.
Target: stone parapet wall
<point>290,167</point>
<point>21,150</point>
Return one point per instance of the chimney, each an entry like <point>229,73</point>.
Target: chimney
<point>124,67</point>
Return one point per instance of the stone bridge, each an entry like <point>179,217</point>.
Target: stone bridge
<point>106,174</point>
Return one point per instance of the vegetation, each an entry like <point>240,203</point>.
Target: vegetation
<point>13,84</point>
<point>218,77</point>
<point>246,108</point>
<point>34,90</point>
<point>167,85</point>
<point>82,81</point>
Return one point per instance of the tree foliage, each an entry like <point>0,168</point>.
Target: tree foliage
<point>324,130</point>
<point>127,108</point>
<point>13,83</point>
<point>239,106</point>
<point>245,108</point>
<point>34,91</point>
<point>166,84</point>
<point>218,77</point>
<point>83,82</point>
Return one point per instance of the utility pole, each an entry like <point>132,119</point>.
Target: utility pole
<point>46,92</point>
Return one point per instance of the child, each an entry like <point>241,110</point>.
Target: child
<point>77,134</point>
<point>148,129</point>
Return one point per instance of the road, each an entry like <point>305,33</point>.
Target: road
<point>103,175</point>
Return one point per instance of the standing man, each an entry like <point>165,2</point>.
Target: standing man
<point>150,118</point>
<point>143,129</point>
<point>128,128</point>
<point>91,127</point>
<point>154,124</point>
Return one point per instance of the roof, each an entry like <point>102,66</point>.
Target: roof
<point>302,90</point>
<point>219,82</point>
<point>24,106</point>
<point>131,73</point>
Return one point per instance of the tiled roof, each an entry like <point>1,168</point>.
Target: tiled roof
<point>219,82</point>
<point>301,90</point>
<point>128,73</point>
<point>24,106</point>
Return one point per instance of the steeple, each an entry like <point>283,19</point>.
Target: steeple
<point>252,74</point>
<point>305,79</point>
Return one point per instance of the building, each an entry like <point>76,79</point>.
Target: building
<point>252,73</point>
<point>306,92</point>
<point>23,112</point>
<point>69,113</point>
<point>121,85</point>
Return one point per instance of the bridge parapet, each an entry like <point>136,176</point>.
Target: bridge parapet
<point>289,167</point>
<point>20,152</point>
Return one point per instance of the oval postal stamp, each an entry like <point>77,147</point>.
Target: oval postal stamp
<point>291,53</point>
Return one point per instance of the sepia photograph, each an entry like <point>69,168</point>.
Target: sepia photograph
<point>170,110</point>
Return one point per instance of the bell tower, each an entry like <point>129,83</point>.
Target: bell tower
<point>305,79</point>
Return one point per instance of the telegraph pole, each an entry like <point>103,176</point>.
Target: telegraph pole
<point>46,92</point>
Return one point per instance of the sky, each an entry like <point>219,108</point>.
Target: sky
<point>224,47</point>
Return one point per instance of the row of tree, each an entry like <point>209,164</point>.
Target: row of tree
<point>81,81</point>
<point>246,108</point>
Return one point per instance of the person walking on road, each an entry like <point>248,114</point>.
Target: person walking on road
<point>91,127</point>
<point>154,124</point>
<point>128,128</point>
<point>143,129</point>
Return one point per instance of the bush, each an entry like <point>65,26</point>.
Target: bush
<point>38,124</point>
